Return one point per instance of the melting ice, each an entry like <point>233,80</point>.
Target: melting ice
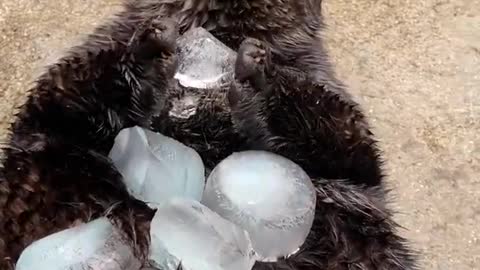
<point>268,195</point>
<point>156,168</point>
<point>185,231</point>
<point>206,65</point>
<point>204,61</point>
<point>96,245</point>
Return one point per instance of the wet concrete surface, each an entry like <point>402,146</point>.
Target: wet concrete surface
<point>413,65</point>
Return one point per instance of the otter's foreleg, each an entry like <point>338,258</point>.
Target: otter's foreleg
<point>280,109</point>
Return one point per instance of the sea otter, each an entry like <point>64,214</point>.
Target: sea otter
<point>285,99</point>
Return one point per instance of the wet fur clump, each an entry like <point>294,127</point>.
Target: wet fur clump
<point>284,99</point>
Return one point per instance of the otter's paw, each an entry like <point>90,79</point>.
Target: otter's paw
<point>157,39</point>
<point>156,43</point>
<point>253,61</point>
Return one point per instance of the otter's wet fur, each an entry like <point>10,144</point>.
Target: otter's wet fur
<point>285,99</point>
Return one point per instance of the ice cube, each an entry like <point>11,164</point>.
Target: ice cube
<point>96,245</point>
<point>186,231</point>
<point>204,61</point>
<point>155,167</point>
<point>269,196</point>
<point>206,67</point>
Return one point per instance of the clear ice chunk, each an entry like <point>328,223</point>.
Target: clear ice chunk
<point>269,196</point>
<point>206,67</point>
<point>156,168</point>
<point>185,231</point>
<point>96,245</point>
<point>204,61</point>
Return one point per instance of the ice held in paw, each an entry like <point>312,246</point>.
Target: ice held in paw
<point>266,194</point>
<point>186,231</point>
<point>156,168</point>
<point>204,61</point>
<point>96,245</point>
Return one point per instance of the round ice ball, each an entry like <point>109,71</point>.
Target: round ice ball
<point>269,196</point>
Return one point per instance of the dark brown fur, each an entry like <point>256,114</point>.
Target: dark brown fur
<point>56,173</point>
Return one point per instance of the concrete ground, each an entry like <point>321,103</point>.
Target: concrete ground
<point>413,65</point>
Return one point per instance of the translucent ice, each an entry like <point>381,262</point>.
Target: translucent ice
<point>96,245</point>
<point>205,67</point>
<point>266,194</point>
<point>204,61</point>
<point>156,168</point>
<point>185,231</point>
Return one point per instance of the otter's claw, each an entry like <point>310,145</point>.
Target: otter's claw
<point>253,60</point>
<point>158,39</point>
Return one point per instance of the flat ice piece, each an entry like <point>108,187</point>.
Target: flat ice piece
<point>269,196</point>
<point>204,61</point>
<point>186,231</point>
<point>96,245</point>
<point>156,168</point>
